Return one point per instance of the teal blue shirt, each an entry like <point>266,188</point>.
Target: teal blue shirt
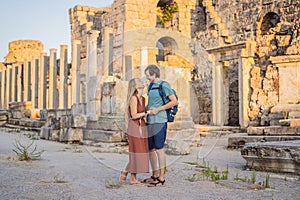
<point>155,100</point>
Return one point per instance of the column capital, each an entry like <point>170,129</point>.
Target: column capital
<point>93,32</point>
<point>64,46</point>
<point>43,54</point>
<point>53,50</point>
<point>76,41</point>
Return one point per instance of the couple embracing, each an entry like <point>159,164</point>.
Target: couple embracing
<point>146,141</point>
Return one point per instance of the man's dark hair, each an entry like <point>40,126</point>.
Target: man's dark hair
<point>153,69</point>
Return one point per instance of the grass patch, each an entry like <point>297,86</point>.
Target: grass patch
<point>264,184</point>
<point>58,179</point>
<point>26,151</point>
<point>112,185</point>
<point>32,136</point>
<point>207,172</point>
<point>77,150</point>
<point>15,130</point>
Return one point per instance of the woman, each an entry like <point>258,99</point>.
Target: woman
<point>137,132</point>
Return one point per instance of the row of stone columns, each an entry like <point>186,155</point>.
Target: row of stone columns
<point>35,80</point>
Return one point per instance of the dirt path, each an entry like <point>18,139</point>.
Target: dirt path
<point>81,172</point>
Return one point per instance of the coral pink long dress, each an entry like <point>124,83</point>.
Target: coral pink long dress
<point>138,143</point>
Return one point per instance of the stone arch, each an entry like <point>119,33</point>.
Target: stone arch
<point>270,20</point>
<point>166,46</point>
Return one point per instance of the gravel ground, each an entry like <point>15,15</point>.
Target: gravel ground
<point>70,171</point>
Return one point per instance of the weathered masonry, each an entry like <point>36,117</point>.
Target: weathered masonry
<point>229,68</point>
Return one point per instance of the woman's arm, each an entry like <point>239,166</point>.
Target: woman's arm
<point>133,109</point>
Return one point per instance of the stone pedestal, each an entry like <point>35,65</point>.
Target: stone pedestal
<point>108,128</point>
<point>289,78</point>
<point>289,87</point>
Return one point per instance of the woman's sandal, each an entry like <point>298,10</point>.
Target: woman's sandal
<point>123,177</point>
<point>149,180</point>
<point>158,183</point>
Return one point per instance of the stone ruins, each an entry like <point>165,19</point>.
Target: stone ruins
<point>231,70</point>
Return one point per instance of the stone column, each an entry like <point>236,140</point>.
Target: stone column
<point>52,80</point>
<point>69,92</point>
<point>245,64</point>
<point>107,49</point>
<point>8,86</point>
<point>16,82</point>
<point>42,81</point>
<point>218,96</point>
<point>63,73</point>
<point>75,71</point>
<point>25,81</point>
<point>93,103</point>
<point>128,67</point>
<point>19,83</point>
<point>13,84</point>
<point>34,82</point>
<point>3,87</point>
<point>144,60</point>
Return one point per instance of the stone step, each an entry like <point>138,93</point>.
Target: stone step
<point>216,133</point>
<point>22,127</point>
<point>274,130</point>
<point>238,141</point>
<point>294,122</point>
<point>207,128</point>
<point>294,115</point>
<point>111,123</point>
<point>273,156</point>
<point>103,135</point>
<point>35,123</point>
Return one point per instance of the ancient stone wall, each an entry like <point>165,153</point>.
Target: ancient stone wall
<point>22,50</point>
<point>83,19</point>
<point>277,34</point>
<point>273,26</point>
<point>245,22</point>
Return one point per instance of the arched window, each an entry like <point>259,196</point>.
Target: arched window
<point>166,46</point>
<point>269,21</point>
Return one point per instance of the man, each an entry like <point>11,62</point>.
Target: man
<point>157,123</point>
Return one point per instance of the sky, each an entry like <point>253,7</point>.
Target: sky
<point>43,20</point>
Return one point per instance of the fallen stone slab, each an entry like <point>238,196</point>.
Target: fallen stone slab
<point>239,141</point>
<point>273,156</point>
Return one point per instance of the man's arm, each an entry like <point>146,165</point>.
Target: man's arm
<point>173,102</point>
